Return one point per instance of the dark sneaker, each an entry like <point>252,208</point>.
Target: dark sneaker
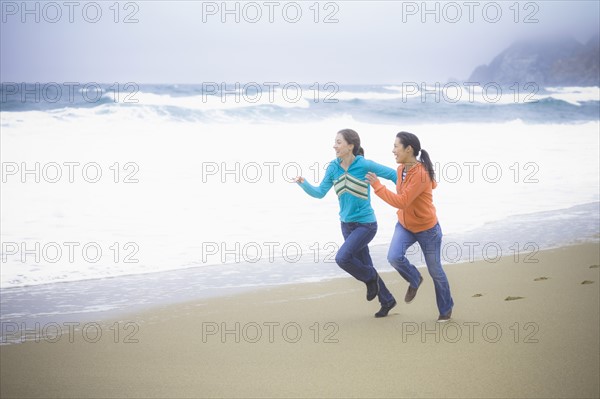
<point>444,318</point>
<point>412,292</point>
<point>372,288</point>
<point>385,309</point>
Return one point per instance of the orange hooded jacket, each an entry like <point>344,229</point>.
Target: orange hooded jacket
<point>414,198</point>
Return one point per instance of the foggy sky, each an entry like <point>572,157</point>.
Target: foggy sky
<point>187,42</point>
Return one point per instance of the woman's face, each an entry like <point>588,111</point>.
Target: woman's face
<point>341,147</point>
<point>403,154</point>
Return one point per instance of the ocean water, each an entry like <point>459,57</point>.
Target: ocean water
<point>196,182</point>
<point>410,102</point>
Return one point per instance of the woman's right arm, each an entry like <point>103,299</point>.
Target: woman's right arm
<point>322,189</point>
<point>411,190</point>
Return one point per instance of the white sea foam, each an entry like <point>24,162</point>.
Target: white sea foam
<point>573,95</point>
<point>470,92</point>
<point>176,216</point>
<point>222,101</point>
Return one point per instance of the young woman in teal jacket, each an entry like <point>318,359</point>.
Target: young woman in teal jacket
<point>346,174</point>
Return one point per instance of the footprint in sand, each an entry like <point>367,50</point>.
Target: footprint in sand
<point>477,295</point>
<point>587,282</point>
<point>513,298</point>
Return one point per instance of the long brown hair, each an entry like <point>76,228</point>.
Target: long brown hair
<point>352,137</point>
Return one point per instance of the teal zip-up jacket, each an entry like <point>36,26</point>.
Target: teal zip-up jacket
<point>351,187</point>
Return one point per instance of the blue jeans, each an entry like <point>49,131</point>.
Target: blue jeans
<point>353,256</point>
<point>431,243</point>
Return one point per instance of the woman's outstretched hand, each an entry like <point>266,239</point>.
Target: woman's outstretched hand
<point>372,178</point>
<point>299,179</point>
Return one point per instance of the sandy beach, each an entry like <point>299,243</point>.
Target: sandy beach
<point>520,328</point>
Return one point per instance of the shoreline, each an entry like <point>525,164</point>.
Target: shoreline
<point>320,339</point>
<point>110,297</point>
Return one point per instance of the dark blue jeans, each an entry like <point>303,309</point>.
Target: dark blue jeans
<point>431,243</point>
<point>353,256</point>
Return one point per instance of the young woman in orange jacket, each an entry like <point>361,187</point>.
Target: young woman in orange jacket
<point>417,220</point>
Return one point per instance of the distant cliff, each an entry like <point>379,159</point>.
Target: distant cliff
<point>558,62</point>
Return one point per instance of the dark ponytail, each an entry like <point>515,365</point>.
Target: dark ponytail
<point>409,139</point>
<point>426,161</point>
<point>352,137</point>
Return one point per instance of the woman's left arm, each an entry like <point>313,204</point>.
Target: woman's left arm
<point>383,171</point>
